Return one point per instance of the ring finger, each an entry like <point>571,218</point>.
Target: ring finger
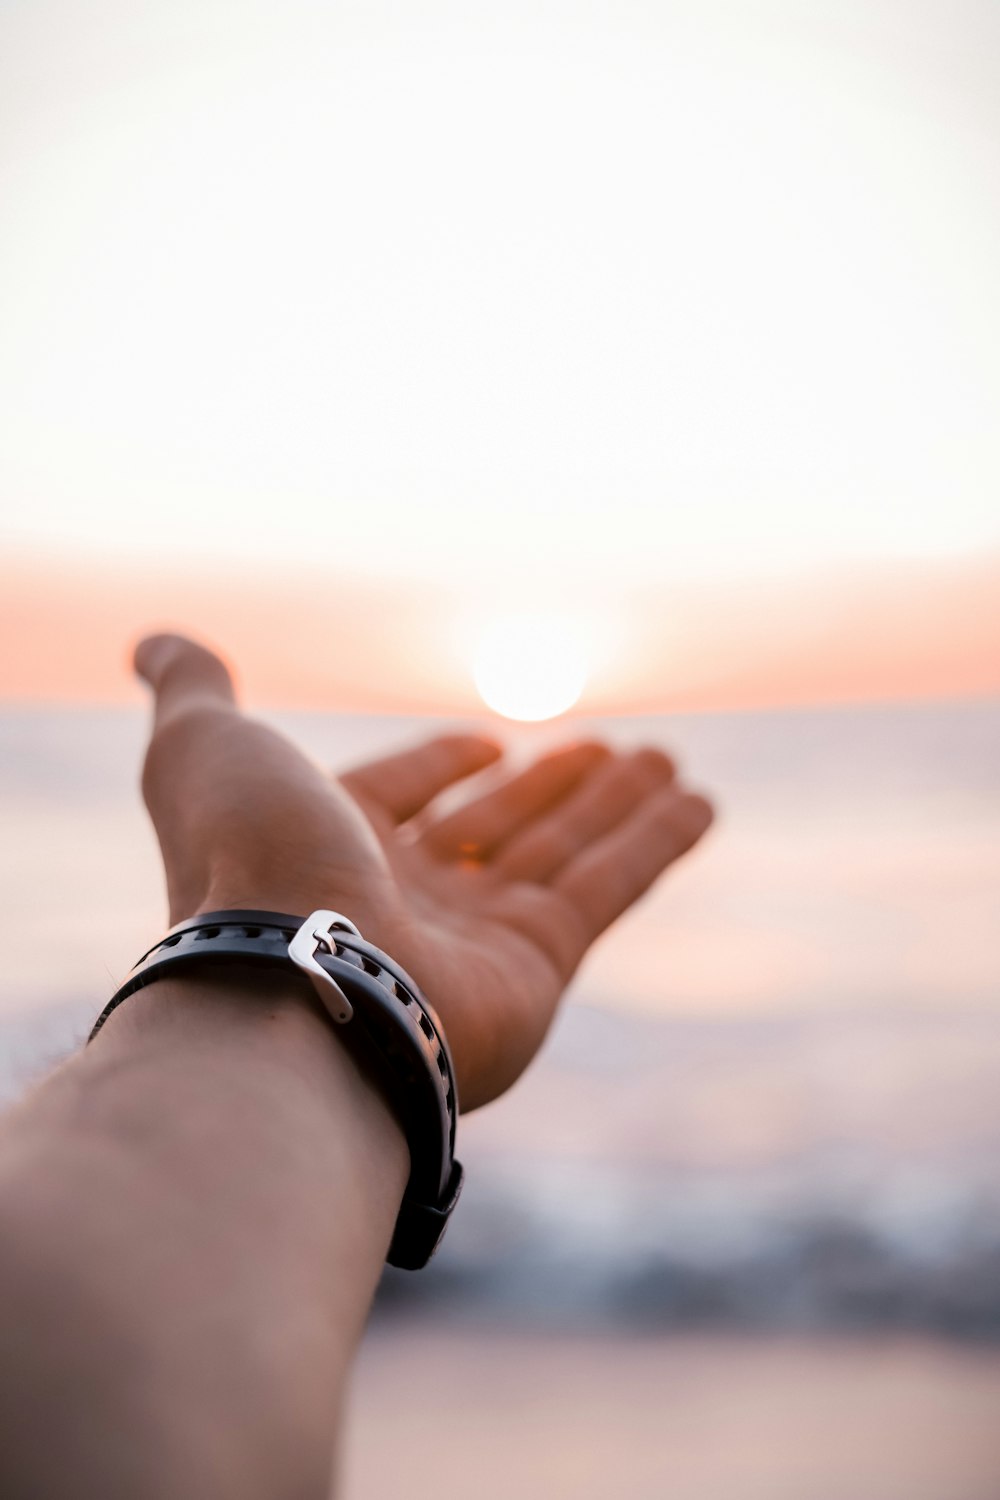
<point>603,800</point>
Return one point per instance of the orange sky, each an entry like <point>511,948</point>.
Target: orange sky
<point>860,634</point>
<point>697,347</point>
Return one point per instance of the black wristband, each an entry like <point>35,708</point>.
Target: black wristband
<point>384,1018</point>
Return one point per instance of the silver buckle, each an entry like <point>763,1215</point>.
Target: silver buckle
<point>317,932</point>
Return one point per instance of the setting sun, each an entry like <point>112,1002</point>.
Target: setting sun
<point>530,667</point>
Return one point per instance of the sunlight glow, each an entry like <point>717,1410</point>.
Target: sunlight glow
<point>530,667</point>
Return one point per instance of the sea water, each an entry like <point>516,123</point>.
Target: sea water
<point>773,1097</point>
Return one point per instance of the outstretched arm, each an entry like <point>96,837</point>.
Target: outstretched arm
<point>196,1209</point>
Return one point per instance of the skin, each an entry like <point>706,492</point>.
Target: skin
<point>197,1207</point>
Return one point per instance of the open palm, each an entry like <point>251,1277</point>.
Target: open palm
<point>490,905</point>
<point>503,896</point>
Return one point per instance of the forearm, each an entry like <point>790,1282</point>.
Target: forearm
<point>196,1211</point>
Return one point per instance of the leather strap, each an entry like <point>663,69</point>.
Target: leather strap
<point>393,1029</point>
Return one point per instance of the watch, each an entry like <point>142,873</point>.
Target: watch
<point>385,1019</point>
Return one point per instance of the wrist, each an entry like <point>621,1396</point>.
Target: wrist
<point>374,910</point>
<point>268,1027</point>
<point>386,1024</point>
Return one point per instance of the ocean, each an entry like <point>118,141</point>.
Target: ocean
<point>772,1099</point>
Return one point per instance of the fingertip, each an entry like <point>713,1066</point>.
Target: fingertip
<point>655,762</point>
<point>465,754</point>
<point>681,816</point>
<point>179,669</point>
<point>153,654</point>
<point>585,752</point>
<point>477,749</point>
<point>700,811</point>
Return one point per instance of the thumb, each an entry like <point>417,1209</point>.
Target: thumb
<point>183,676</point>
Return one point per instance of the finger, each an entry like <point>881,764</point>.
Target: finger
<point>599,803</point>
<point>401,785</point>
<point>479,827</point>
<point>183,676</point>
<point>606,878</point>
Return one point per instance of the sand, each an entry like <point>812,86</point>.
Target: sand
<point>490,1415</point>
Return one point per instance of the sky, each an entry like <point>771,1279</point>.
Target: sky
<point>333,331</point>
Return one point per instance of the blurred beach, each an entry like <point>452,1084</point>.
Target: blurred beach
<point>737,1232</point>
<point>587,1417</point>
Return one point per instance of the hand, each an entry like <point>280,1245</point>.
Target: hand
<point>490,907</point>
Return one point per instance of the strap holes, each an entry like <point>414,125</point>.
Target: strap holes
<point>369,966</point>
<point>426,1027</point>
<point>251,931</point>
<point>171,942</point>
<point>206,932</point>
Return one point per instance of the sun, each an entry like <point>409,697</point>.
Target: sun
<point>530,666</point>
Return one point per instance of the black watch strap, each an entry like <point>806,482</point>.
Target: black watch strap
<point>384,1017</point>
